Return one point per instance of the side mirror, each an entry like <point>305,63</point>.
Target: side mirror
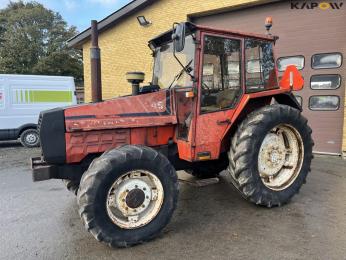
<point>178,37</point>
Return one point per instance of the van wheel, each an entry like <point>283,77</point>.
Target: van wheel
<point>128,195</point>
<point>270,155</point>
<point>30,138</point>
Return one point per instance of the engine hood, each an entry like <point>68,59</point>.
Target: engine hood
<point>152,109</point>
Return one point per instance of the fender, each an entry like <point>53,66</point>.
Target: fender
<point>288,99</point>
<point>24,127</point>
<point>254,103</point>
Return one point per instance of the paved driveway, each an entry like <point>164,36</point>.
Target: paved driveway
<point>40,220</point>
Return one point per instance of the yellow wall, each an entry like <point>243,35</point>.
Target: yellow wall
<point>124,47</point>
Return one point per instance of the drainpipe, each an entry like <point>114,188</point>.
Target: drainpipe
<point>95,61</point>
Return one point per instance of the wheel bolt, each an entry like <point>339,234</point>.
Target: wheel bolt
<point>144,189</point>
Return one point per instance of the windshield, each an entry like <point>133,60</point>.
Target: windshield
<point>167,68</point>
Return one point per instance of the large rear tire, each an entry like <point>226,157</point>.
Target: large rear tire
<point>128,195</point>
<point>270,155</point>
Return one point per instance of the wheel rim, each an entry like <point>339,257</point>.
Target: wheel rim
<point>31,138</point>
<point>134,199</point>
<point>280,157</point>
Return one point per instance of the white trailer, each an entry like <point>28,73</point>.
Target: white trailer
<point>23,97</point>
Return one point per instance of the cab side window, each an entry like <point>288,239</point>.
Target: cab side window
<point>221,75</point>
<point>260,65</point>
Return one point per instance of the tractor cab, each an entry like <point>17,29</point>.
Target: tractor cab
<point>209,73</point>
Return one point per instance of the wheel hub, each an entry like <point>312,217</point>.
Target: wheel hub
<point>272,155</point>
<point>31,138</point>
<point>280,157</point>
<point>134,199</point>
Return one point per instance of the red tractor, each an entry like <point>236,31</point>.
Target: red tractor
<point>214,104</point>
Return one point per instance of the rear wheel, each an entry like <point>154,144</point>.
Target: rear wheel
<point>128,195</point>
<point>30,138</point>
<point>270,155</point>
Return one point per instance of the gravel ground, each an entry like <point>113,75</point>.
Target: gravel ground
<point>40,220</point>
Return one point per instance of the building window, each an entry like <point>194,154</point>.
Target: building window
<point>284,62</point>
<point>325,81</point>
<point>221,75</point>
<point>299,99</point>
<point>326,60</point>
<point>260,65</point>
<point>327,103</point>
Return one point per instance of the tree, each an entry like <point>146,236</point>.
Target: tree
<point>33,40</point>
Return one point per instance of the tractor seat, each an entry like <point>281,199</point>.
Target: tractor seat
<point>226,98</point>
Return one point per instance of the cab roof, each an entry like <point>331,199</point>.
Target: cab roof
<point>190,28</point>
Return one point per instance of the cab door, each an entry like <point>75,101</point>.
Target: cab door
<point>220,90</point>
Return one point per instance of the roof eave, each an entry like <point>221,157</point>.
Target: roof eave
<point>78,40</point>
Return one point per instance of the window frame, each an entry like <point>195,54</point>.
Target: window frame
<point>322,53</point>
<point>241,71</point>
<point>245,62</point>
<point>325,75</point>
<point>326,110</point>
<point>285,57</point>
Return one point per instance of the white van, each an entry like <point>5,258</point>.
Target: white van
<point>23,97</point>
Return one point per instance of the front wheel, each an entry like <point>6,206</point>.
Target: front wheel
<point>270,155</point>
<point>128,195</point>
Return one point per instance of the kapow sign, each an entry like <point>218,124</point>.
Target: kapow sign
<point>315,5</point>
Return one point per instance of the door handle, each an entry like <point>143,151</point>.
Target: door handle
<point>223,122</point>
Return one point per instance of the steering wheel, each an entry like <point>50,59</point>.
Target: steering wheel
<point>205,87</point>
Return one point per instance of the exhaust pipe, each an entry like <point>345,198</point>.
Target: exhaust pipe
<point>95,61</point>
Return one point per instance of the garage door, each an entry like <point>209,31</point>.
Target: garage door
<point>314,41</point>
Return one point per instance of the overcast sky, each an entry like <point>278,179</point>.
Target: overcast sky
<point>80,12</point>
